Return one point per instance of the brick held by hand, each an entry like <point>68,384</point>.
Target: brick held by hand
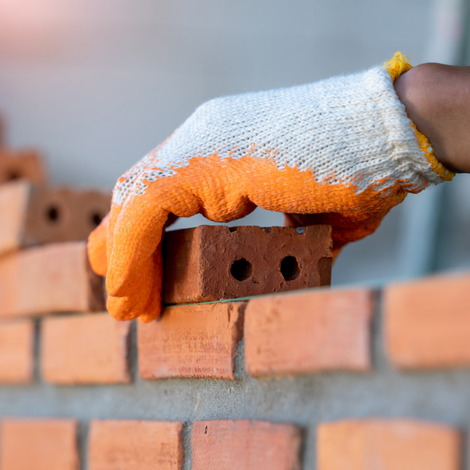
<point>48,279</point>
<point>392,444</point>
<point>135,445</point>
<point>308,332</point>
<point>38,215</point>
<point>191,341</point>
<point>217,262</point>
<point>85,349</point>
<point>21,164</point>
<point>38,444</point>
<point>245,445</point>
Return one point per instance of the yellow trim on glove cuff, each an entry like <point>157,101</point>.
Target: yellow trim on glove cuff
<point>398,65</point>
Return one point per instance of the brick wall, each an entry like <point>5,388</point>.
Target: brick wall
<point>319,378</point>
<point>297,341</point>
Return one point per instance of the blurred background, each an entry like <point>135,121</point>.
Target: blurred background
<point>96,84</point>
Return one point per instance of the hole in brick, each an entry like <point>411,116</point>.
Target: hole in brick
<point>232,229</point>
<point>300,230</point>
<point>205,430</point>
<point>241,269</point>
<point>53,214</point>
<point>13,175</point>
<point>290,268</point>
<point>96,219</point>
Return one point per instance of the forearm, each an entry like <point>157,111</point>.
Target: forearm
<point>437,100</point>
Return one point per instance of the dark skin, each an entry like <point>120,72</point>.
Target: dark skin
<point>437,100</point>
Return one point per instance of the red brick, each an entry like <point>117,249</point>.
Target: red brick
<point>39,445</point>
<point>64,214</point>
<point>308,332</point>
<point>191,341</point>
<point>52,278</point>
<point>245,445</point>
<point>388,445</point>
<point>16,164</point>
<point>217,262</point>
<point>135,445</point>
<point>32,216</point>
<point>81,349</point>
<point>427,322</point>
<point>14,199</point>
<point>16,352</point>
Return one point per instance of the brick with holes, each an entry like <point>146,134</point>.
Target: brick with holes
<point>217,262</point>
<point>64,214</point>
<point>21,164</point>
<point>35,215</point>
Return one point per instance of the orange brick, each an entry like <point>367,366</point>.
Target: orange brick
<point>52,278</point>
<point>308,332</point>
<point>14,199</point>
<point>26,164</point>
<point>427,322</point>
<point>245,445</point>
<point>39,445</point>
<point>16,352</point>
<point>81,349</point>
<point>388,445</point>
<point>135,445</point>
<point>191,341</point>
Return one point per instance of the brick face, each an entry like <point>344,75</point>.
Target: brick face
<point>16,352</point>
<point>253,261</point>
<point>427,322</point>
<point>38,445</point>
<point>135,445</point>
<point>90,348</point>
<point>245,445</point>
<point>16,164</point>
<point>52,278</point>
<point>387,444</point>
<point>308,332</point>
<point>14,199</point>
<point>191,341</point>
<point>64,214</point>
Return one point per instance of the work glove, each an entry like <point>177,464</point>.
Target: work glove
<point>340,152</point>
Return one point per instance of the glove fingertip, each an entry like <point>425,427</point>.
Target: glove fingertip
<point>97,245</point>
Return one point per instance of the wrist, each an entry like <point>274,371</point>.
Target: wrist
<point>437,100</point>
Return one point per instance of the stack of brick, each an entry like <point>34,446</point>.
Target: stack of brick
<point>44,267</point>
<point>232,336</point>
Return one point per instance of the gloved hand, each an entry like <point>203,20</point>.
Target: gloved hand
<point>340,151</point>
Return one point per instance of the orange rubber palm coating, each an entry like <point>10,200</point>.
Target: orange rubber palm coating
<point>230,189</point>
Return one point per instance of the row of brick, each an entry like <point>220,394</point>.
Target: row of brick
<point>193,271</point>
<point>426,324</point>
<point>229,444</point>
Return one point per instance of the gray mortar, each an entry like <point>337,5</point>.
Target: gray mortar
<point>442,396</point>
